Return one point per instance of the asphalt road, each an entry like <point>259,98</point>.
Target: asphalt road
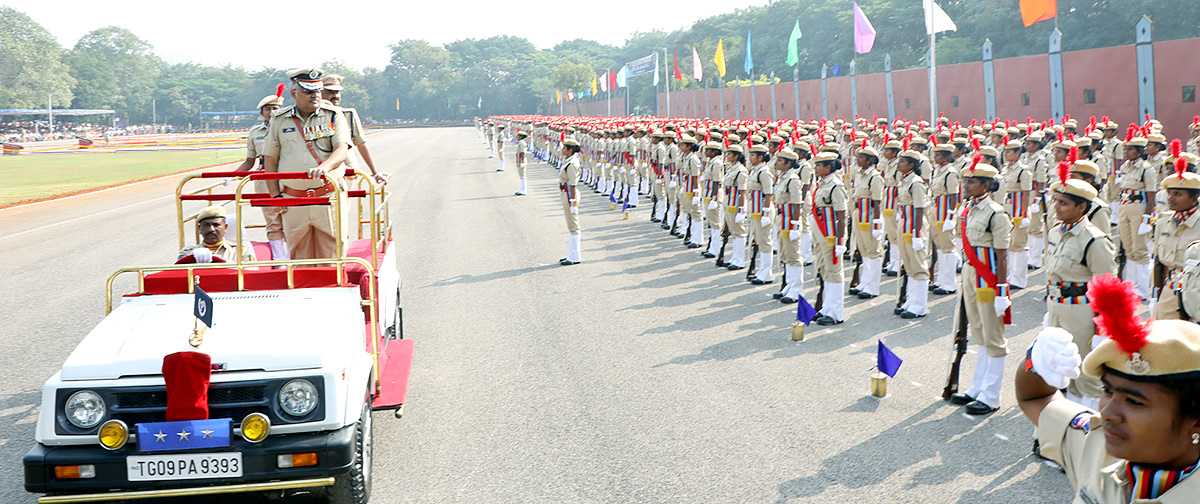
<point>644,374</point>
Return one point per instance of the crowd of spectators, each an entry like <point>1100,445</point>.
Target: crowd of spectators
<point>38,131</point>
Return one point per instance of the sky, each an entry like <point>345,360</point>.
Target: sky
<point>255,34</point>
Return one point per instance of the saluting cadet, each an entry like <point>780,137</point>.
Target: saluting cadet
<point>867,187</point>
<point>760,191</point>
<point>944,187</point>
<point>714,174</point>
<point>985,229</point>
<point>522,147</point>
<point>1138,181</point>
<point>256,140</point>
<point>311,137</point>
<point>789,196</point>
<point>912,199</point>
<point>891,186</point>
<point>690,169</point>
<point>1098,215</point>
<point>568,184</point>
<point>1076,251</point>
<point>734,186</point>
<point>332,92</point>
<point>1176,230</point>
<point>829,213</point>
<point>1143,444</point>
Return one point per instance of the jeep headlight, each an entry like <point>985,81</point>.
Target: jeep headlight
<point>298,397</point>
<point>85,409</point>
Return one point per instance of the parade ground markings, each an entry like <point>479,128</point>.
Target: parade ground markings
<point>40,176</point>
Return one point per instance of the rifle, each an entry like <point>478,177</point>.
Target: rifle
<point>675,220</point>
<point>960,349</point>
<point>1121,259</point>
<point>902,295</point>
<point>753,260</point>
<point>721,254</point>
<point>858,261</point>
<point>820,293</point>
<point>687,234</point>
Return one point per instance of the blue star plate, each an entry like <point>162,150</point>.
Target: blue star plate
<point>184,435</point>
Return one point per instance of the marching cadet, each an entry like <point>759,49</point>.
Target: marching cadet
<point>658,193</point>
<point>568,183</point>
<point>734,185</point>
<point>1035,234</point>
<point>212,228</point>
<point>867,193</point>
<point>760,191</point>
<point>944,187</point>
<point>1077,250</point>
<point>521,148</point>
<point>789,196</point>
<point>829,213</point>
<point>332,92</point>
<point>1176,230</point>
<point>912,198</point>
<point>1098,215</point>
<point>1138,183</point>
<point>891,186</point>
<point>255,147</point>
<point>1018,184</point>
<point>985,229</point>
<point>500,145</point>
<point>690,169</point>
<point>1143,443</point>
<point>311,137</point>
<point>714,173</point>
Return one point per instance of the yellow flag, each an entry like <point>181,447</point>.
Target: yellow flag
<point>594,93</point>
<point>719,59</point>
<point>557,97</point>
<point>397,104</point>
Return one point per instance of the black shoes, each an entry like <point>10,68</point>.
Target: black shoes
<point>566,262</point>
<point>760,282</point>
<point>827,320</point>
<point>891,273</point>
<point>942,292</point>
<point>853,290</point>
<point>708,255</point>
<point>905,314</point>
<point>978,408</point>
<point>732,267</point>
<point>693,245</point>
<point>787,300</point>
<point>961,399</point>
<point>864,295</point>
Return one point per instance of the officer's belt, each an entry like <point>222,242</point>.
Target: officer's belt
<point>1070,289</point>
<point>308,193</point>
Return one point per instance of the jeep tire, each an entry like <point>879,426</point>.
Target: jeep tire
<point>354,487</point>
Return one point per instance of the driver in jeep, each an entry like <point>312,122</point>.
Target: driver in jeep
<point>211,225</point>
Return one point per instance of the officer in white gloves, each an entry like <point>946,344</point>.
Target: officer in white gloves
<point>911,199</point>
<point>211,226</point>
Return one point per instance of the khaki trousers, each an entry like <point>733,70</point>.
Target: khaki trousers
<point>1129,217</point>
<point>309,230</point>
<point>736,229</point>
<point>713,215</point>
<point>984,326</point>
<point>1077,320</point>
<point>572,218</point>
<point>789,247</point>
<point>869,246</point>
<point>914,262</point>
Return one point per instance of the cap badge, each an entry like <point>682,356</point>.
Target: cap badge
<point>1137,365</point>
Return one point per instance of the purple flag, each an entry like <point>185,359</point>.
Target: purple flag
<point>887,362</point>
<point>864,33</point>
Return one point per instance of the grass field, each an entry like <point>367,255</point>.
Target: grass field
<point>45,175</point>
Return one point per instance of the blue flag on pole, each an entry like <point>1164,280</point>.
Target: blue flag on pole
<point>888,362</point>
<point>837,69</point>
<point>204,307</point>
<point>804,311</point>
<point>749,55</point>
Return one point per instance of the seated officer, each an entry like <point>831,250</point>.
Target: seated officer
<point>211,225</point>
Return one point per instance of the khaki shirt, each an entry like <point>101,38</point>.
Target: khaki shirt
<point>569,175</point>
<point>1066,261</point>
<point>356,128</point>
<point>735,179</point>
<point>1100,215</point>
<point>225,251</point>
<point>831,192</point>
<point>325,129</point>
<point>867,183</point>
<point>913,191</point>
<point>1138,176</point>
<point>988,225</point>
<point>788,189</point>
<point>1096,476</point>
<point>1036,164</point>
<point>691,165</point>
<point>522,146</point>
<point>1171,240</point>
<point>1018,177</point>
<point>945,180</point>
<point>762,179</point>
<point>256,139</point>
<point>1190,282</point>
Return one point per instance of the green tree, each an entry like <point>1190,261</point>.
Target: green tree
<point>115,69</point>
<point>419,75</point>
<point>31,64</point>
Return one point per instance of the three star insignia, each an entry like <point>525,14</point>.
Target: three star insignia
<point>183,435</point>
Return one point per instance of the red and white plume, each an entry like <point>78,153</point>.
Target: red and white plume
<point>1116,304</point>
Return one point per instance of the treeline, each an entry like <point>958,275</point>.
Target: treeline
<point>111,68</point>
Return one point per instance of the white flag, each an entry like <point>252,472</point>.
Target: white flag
<point>936,19</point>
<point>697,68</point>
<point>622,76</point>
<point>604,83</point>
<point>655,69</point>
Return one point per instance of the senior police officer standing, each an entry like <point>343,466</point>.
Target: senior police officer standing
<point>310,137</point>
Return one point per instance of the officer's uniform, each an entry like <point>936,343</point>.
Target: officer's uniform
<point>690,169</point>
<point>986,229</point>
<point>1138,181</point>
<point>891,188</point>
<point>828,199</point>
<point>789,198</point>
<point>1036,235</point>
<point>255,146</point>
<point>1018,187</point>
<point>303,143</point>
<point>1174,232</point>
<point>714,174</point>
<point>944,187</point>
<point>759,190</point>
<point>658,155</point>
<point>568,180</point>
<point>867,186</point>
<point>225,250</point>
<point>913,194</point>
<point>1076,252</point>
<point>734,185</point>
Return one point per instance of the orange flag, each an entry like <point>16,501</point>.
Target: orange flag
<point>1033,11</point>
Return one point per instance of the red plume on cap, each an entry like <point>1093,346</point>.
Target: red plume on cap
<point>887,137</point>
<point>1130,132</point>
<point>1147,118</point>
<point>562,136</point>
<point>1064,172</point>
<point>976,144</point>
<point>974,161</point>
<point>1058,135</point>
<point>813,148</point>
<point>933,140</point>
<point>1051,121</point>
<point>1092,122</point>
<point>1029,129</point>
<point>1066,118</point>
<point>279,90</point>
<point>1117,305</point>
<point>1005,140</point>
<point>974,122</point>
<point>904,143</point>
<point>726,142</point>
<point>1104,119</point>
<point>1180,166</point>
<point>864,144</point>
<point>1073,154</point>
<point>1176,147</point>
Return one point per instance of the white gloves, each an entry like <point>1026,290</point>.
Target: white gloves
<point>839,249</point>
<point>202,255</point>
<point>947,225</point>
<point>672,185</point>
<point>1150,305</point>
<point>765,221</point>
<point>712,204</point>
<point>1024,223</point>
<point>1113,218</point>
<point>623,171</point>
<point>1001,303</point>
<point>225,181</point>
<point>1034,208</point>
<point>899,216</point>
<point>877,228</point>
<point>696,200</point>
<point>574,209</point>
<point>1055,357</point>
<point>739,217</point>
<point>918,243</point>
<point>1144,227</point>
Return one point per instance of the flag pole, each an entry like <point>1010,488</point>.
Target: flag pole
<point>609,86</point>
<point>933,104</point>
<point>753,96</point>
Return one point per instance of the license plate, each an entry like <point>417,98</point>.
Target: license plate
<point>182,466</point>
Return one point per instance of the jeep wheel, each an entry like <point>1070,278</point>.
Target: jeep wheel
<point>354,487</point>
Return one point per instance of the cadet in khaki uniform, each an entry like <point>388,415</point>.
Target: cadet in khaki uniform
<point>807,176</point>
<point>985,229</point>
<point>734,185</point>
<point>714,173</point>
<point>1035,162</point>
<point>891,187</point>
<point>670,156</point>
<point>658,201</point>
<point>568,184</point>
<point>1076,251</point>
<point>256,140</point>
<point>311,137</point>
<point>912,198</point>
<point>212,228</point>
<point>829,214</point>
<point>1138,182</point>
<point>789,198</point>
<point>1174,232</point>
<point>760,190</point>
<point>1099,214</point>
<point>690,169</point>
<point>944,187</point>
<point>522,147</point>
<point>1018,187</point>
<point>867,188</point>
<point>332,91</point>
<point>1143,445</point>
